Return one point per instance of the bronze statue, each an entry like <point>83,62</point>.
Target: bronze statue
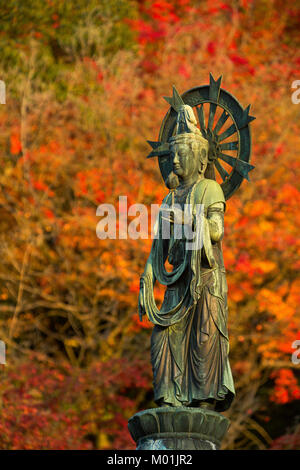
<point>189,344</point>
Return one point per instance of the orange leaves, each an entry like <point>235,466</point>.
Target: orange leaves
<point>185,71</point>
<point>242,367</point>
<point>243,264</point>
<point>286,387</point>
<point>235,293</point>
<point>266,227</point>
<point>259,208</point>
<point>135,287</point>
<point>15,144</point>
<point>294,294</point>
<point>239,291</point>
<point>138,325</point>
<point>49,214</point>
<point>289,194</point>
<point>273,303</point>
<point>89,183</point>
<point>39,185</point>
<point>264,266</point>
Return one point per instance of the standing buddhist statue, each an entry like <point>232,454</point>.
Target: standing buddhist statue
<point>189,343</point>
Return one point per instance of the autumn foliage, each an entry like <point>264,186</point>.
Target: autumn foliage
<point>85,82</point>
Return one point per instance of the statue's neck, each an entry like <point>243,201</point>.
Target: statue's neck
<point>188,182</point>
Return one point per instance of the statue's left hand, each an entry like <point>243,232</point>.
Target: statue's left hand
<point>177,216</point>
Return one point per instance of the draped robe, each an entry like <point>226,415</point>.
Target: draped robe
<point>189,343</point>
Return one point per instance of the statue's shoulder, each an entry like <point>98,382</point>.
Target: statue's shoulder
<point>208,192</point>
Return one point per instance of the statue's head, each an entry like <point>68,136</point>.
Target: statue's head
<point>189,152</point>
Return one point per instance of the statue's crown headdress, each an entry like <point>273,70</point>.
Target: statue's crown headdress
<point>186,120</point>
<point>186,123</point>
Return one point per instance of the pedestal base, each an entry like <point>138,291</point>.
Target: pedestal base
<point>178,428</point>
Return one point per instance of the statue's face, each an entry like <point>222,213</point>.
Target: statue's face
<point>185,165</point>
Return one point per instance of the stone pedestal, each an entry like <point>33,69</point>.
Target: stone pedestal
<point>178,428</point>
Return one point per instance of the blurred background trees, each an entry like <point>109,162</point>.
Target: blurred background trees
<point>85,82</point>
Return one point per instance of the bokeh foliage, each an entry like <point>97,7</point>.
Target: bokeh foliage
<point>85,82</point>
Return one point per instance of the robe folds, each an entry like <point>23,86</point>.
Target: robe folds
<point>189,343</point>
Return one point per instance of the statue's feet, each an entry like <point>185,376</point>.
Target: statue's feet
<point>164,403</point>
<point>208,404</point>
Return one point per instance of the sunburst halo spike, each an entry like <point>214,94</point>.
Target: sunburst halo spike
<point>153,144</point>
<point>240,166</point>
<point>246,119</point>
<point>160,149</point>
<point>175,101</point>
<point>214,88</point>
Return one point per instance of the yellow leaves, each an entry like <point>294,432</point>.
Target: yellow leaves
<point>35,393</point>
<point>263,136</point>
<point>229,256</point>
<point>265,266</point>
<point>111,293</point>
<point>294,294</point>
<point>103,441</point>
<point>257,208</point>
<point>277,175</point>
<point>269,350</point>
<point>125,299</point>
<point>266,227</point>
<point>236,294</point>
<point>72,342</point>
<point>272,302</point>
<point>289,194</point>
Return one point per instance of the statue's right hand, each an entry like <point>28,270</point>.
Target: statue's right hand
<point>141,303</point>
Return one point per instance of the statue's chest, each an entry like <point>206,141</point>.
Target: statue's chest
<point>181,197</point>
